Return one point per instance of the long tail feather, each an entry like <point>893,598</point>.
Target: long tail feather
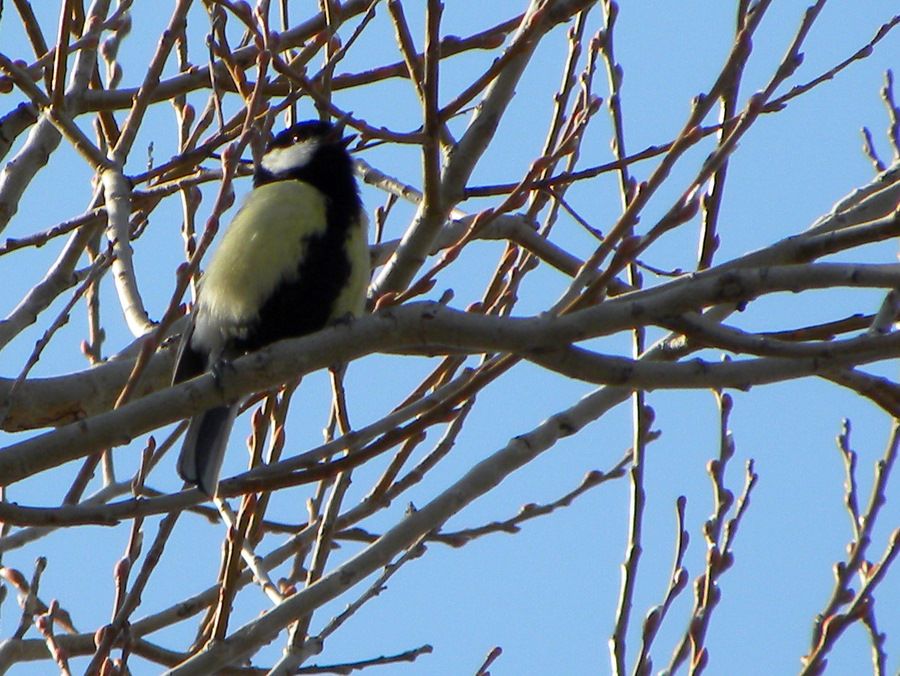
<point>204,447</point>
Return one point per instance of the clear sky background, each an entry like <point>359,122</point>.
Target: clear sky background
<point>546,595</point>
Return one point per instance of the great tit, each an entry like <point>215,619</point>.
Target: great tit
<point>294,258</point>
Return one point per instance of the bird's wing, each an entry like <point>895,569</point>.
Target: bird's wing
<point>189,363</point>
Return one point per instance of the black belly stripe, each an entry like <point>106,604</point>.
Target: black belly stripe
<point>304,305</point>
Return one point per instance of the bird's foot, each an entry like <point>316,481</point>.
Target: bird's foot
<point>218,370</point>
<point>345,319</point>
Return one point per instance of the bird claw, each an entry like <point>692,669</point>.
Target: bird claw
<point>217,370</point>
<point>345,319</point>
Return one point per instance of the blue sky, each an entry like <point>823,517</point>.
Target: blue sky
<point>547,595</point>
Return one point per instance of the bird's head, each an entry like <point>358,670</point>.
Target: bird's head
<point>311,151</point>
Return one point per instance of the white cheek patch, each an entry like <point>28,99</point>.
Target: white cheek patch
<point>281,160</point>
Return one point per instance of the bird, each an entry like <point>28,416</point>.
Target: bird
<point>293,260</point>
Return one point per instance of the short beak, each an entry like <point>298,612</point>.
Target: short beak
<point>339,126</point>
